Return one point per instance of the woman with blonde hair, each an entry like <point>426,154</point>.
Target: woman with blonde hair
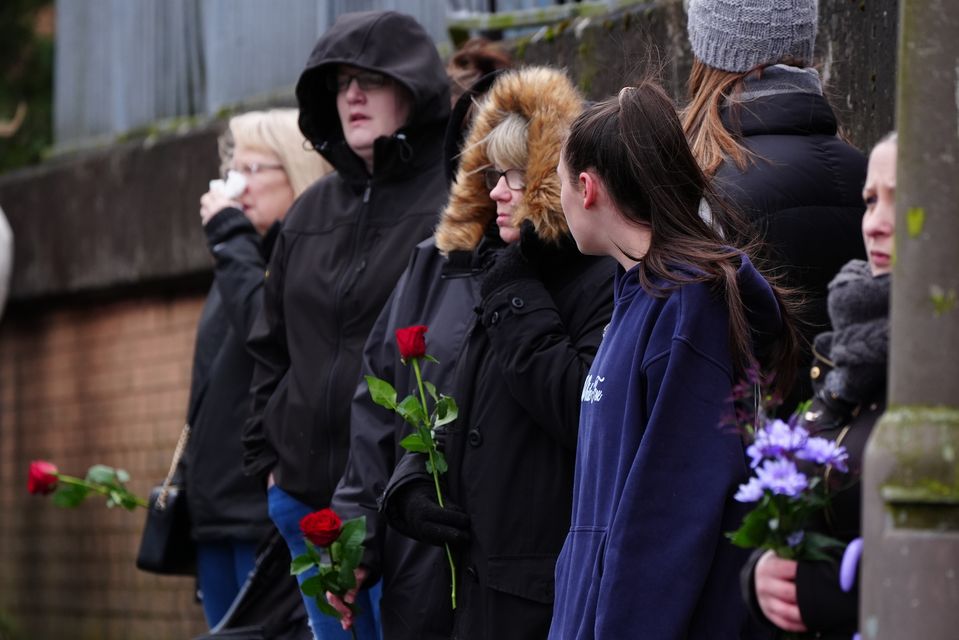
<point>759,125</point>
<point>269,167</point>
<point>515,315</point>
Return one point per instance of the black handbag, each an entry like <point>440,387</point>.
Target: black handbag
<point>166,546</point>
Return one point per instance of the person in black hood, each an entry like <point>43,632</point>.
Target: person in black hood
<point>374,101</point>
<point>268,169</point>
<point>515,314</point>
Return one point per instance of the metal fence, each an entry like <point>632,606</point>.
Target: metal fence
<point>123,64</point>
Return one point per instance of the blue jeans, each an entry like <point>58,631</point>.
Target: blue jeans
<point>286,513</point>
<point>222,567</point>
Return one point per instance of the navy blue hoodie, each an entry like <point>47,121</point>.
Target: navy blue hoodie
<point>646,555</point>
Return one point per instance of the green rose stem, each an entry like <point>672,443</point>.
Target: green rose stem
<point>99,488</point>
<point>436,477</point>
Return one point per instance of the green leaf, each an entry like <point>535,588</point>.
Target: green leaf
<point>346,578</point>
<point>123,476</point>
<point>128,501</point>
<point>70,495</point>
<point>300,564</point>
<point>353,556</point>
<point>439,462</point>
<point>336,551</point>
<point>312,586</point>
<point>382,392</point>
<point>430,358</point>
<point>754,530</point>
<point>446,411</point>
<point>411,410</point>
<point>414,443</point>
<point>823,541</point>
<point>314,552</point>
<point>353,532</point>
<point>430,389</point>
<point>101,474</point>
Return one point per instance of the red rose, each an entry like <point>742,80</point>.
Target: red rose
<point>322,527</point>
<point>411,342</point>
<point>42,478</point>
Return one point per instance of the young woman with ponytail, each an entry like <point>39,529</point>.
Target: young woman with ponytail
<point>646,555</point>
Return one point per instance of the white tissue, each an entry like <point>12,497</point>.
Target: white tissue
<point>232,187</point>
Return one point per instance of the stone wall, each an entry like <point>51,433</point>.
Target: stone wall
<point>82,384</point>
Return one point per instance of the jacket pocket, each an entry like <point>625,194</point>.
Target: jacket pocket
<point>273,418</point>
<point>579,574</point>
<point>528,576</point>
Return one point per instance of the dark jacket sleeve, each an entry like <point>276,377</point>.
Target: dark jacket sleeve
<point>543,358</point>
<point>372,443</point>
<point>267,345</point>
<point>823,605</point>
<point>239,267</point>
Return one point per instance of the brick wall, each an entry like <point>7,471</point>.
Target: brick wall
<point>83,384</point>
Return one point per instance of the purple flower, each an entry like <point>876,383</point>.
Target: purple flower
<point>822,451</point>
<point>752,491</point>
<point>795,539</point>
<point>850,565</point>
<point>776,440</point>
<point>782,478</point>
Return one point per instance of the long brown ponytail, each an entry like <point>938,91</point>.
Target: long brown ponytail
<point>636,145</point>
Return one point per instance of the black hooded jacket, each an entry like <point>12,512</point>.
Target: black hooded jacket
<point>513,348</point>
<point>224,504</point>
<point>803,193</point>
<point>343,245</point>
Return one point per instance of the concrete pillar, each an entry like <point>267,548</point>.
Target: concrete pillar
<point>910,577</point>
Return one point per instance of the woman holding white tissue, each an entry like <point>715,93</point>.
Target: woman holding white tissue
<point>268,168</point>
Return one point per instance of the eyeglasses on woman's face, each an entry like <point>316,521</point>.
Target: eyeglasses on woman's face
<point>254,168</point>
<point>515,178</point>
<point>365,80</point>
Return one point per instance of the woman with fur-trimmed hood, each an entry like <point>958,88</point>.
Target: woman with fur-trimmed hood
<point>515,316</point>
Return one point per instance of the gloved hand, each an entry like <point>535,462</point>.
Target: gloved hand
<point>544,256</point>
<point>531,257</point>
<point>414,512</point>
<point>509,266</point>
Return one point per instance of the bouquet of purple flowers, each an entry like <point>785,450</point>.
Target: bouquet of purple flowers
<point>788,487</point>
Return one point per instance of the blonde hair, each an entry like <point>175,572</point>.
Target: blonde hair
<point>276,131</point>
<point>507,143</point>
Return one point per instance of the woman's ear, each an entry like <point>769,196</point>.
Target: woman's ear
<point>589,187</point>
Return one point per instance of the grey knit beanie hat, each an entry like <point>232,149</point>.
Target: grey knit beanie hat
<point>738,35</point>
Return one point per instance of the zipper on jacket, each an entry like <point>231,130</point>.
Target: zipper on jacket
<point>343,286</point>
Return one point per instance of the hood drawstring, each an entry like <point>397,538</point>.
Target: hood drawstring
<point>406,150</point>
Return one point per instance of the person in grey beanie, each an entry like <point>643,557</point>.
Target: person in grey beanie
<point>757,121</point>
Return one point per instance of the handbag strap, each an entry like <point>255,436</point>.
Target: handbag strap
<point>177,454</point>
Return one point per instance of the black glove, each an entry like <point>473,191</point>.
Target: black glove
<point>545,256</point>
<point>414,512</point>
<point>510,265</point>
<point>531,257</point>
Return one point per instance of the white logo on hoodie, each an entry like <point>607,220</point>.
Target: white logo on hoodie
<point>591,391</point>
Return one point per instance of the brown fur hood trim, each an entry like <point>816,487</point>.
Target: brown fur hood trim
<point>547,99</point>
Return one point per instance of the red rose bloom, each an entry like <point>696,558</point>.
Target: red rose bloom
<point>322,527</point>
<point>42,478</point>
<point>411,342</point>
